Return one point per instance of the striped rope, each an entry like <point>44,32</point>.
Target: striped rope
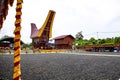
<point>17,71</point>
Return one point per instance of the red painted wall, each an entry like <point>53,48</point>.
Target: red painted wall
<point>68,40</point>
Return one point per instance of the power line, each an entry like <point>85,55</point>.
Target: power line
<point>110,32</point>
<point>103,34</point>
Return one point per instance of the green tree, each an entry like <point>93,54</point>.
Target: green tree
<point>5,36</point>
<point>92,41</point>
<point>109,41</point>
<point>117,40</point>
<point>102,41</point>
<point>79,36</point>
<point>27,46</point>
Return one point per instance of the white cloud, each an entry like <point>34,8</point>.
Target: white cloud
<point>71,17</point>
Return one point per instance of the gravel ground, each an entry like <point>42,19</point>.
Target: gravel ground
<point>62,67</point>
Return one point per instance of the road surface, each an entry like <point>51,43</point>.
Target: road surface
<point>63,66</point>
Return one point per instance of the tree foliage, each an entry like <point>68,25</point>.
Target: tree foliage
<point>27,45</point>
<point>5,36</point>
<point>79,36</point>
<point>93,41</point>
<point>117,40</point>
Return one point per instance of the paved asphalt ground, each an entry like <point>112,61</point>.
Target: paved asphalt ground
<point>60,66</point>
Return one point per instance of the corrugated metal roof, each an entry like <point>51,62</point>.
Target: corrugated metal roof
<point>62,36</point>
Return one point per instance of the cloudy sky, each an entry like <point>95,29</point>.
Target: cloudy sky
<point>95,18</point>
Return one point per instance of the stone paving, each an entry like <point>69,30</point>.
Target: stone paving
<point>60,66</point>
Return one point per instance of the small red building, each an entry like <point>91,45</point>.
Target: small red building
<point>64,41</point>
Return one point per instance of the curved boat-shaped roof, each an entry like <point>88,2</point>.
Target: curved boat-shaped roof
<point>48,23</point>
<point>9,39</point>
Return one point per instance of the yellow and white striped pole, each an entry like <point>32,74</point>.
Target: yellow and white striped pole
<point>17,46</point>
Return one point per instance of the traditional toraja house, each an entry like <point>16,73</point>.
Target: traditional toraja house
<point>4,6</point>
<point>41,36</point>
<point>8,43</point>
<point>64,41</point>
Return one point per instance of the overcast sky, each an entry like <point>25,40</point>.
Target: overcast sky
<point>95,18</point>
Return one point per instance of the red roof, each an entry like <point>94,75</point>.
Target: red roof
<point>63,36</point>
